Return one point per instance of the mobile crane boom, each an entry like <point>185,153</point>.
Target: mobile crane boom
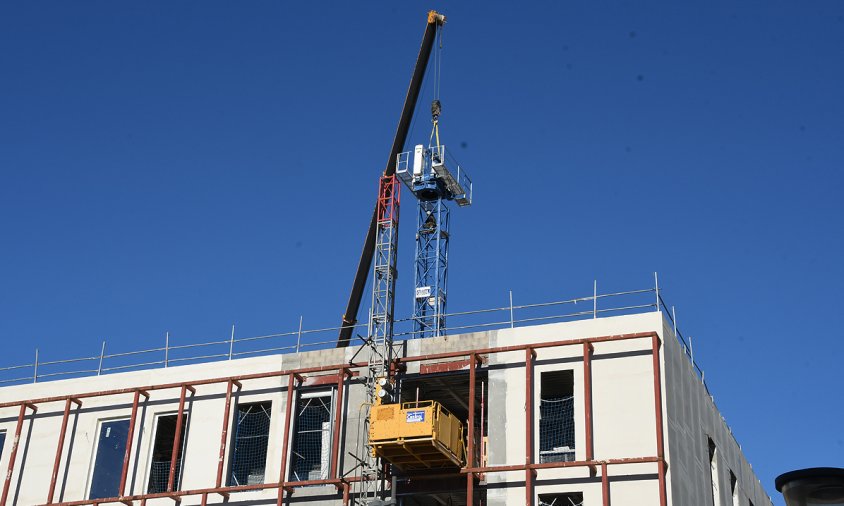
<point>435,20</point>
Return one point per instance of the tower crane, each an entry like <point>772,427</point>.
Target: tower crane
<point>434,22</point>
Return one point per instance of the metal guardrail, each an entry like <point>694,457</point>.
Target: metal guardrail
<point>510,316</point>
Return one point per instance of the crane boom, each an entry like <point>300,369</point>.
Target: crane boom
<point>435,20</point>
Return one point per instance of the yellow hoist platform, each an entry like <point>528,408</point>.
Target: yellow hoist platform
<point>416,435</point>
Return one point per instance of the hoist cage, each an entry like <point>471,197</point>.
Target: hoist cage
<point>416,435</point>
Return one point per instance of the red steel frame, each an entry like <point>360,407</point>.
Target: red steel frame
<point>587,397</point>
<point>338,424</point>
<point>224,434</point>
<point>530,467</point>
<point>177,437</point>
<point>342,484</point>
<point>15,444</point>
<point>530,473</point>
<point>54,476</point>
<point>282,475</point>
<point>660,445</point>
<point>470,451</point>
<point>129,439</point>
<point>472,469</point>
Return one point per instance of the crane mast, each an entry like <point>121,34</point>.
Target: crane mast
<point>435,178</point>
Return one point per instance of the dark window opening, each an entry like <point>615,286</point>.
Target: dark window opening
<point>734,488</point>
<point>569,499</point>
<point>309,459</point>
<point>2,442</point>
<point>162,452</point>
<point>251,436</point>
<point>713,473</point>
<point>451,389</point>
<point>108,463</point>
<point>556,417</point>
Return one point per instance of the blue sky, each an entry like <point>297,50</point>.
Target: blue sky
<point>185,166</point>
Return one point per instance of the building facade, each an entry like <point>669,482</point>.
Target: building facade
<point>606,411</point>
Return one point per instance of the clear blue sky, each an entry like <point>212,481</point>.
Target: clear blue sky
<point>182,166</point>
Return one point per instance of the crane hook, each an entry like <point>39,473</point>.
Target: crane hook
<point>436,109</point>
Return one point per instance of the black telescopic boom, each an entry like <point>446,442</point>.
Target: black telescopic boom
<point>350,316</point>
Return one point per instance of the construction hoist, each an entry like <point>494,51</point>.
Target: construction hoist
<point>380,252</point>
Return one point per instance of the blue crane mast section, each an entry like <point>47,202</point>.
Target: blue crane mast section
<point>435,178</point>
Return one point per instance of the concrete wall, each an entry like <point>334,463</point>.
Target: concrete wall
<point>40,435</point>
<point>623,420</point>
<point>624,423</point>
<point>693,419</point>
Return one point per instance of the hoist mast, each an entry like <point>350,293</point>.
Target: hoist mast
<point>435,20</point>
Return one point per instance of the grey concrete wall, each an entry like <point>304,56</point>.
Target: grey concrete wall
<point>692,419</point>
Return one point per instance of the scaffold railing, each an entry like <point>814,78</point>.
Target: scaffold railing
<point>596,305</point>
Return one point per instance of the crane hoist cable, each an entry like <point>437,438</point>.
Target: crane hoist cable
<point>436,105</point>
<point>438,61</point>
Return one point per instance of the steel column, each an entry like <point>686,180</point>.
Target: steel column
<point>660,446</point>
<point>587,398</point>
<point>530,354</point>
<point>15,444</point>
<point>605,484</point>
<point>338,424</point>
<point>129,437</point>
<point>282,476</point>
<point>470,457</point>
<point>54,477</point>
<point>177,437</point>
<point>224,434</point>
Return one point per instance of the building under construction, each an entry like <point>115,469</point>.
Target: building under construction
<point>597,407</point>
<point>600,411</point>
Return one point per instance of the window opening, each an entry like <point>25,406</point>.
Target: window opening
<point>556,417</point>
<point>713,473</point>
<point>569,499</point>
<point>312,437</point>
<point>734,488</point>
<point>162,452</point>
<point>252,433</point>
<point>108,461</point>
<point>2,442</point>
